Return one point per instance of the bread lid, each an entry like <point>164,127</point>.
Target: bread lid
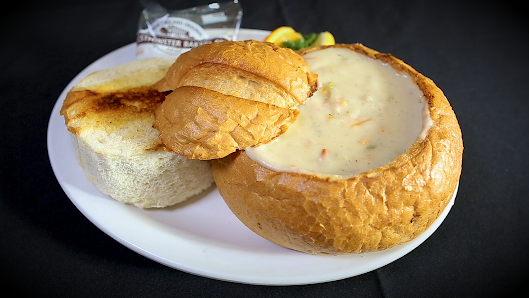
<point>200,123</point>
<point>261,71</point>
<point>231,95</point>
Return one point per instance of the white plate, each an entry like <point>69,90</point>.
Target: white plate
<point>200,236</point>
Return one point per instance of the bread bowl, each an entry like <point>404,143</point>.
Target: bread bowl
<point>230,95</point>
<point>110,116</point>
<point>356,212</point>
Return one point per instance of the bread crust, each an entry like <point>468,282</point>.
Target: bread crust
<point>199,123</point>
<point>109,98</point>
<point>231,95</point>
<point>85,109</point>
<point>372,211</point>
<point>262,66</point>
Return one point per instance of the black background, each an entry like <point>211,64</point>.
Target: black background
<point>475,51</point>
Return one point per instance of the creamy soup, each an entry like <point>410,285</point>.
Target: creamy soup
<point>363,116</point>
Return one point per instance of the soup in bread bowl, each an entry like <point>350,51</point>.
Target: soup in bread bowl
<point>372,160</point>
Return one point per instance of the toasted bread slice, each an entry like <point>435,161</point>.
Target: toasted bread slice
<point>250,69</point>
<point>110,115</point>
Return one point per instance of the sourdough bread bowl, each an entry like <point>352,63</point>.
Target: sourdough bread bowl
<point>110,116</point>
<point>231,95</point>
<point>375,209</point>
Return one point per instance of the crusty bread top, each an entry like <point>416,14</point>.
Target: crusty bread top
<point>231,95</point>
<point>248,69</point>
<point>200,123</point>
<point>97,108</point>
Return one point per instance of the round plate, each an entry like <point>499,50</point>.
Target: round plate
<point>200,236</point>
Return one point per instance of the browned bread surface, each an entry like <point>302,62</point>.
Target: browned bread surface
<point>203,124</point>
<point>372,211</point>
<point>86,109</point>
<point>110,115</point>
<point>108,99</point>
<point>266,72</point>
<point>231,95</point>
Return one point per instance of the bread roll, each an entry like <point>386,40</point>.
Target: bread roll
<point>110,115</point>
<point>231,95</point>
<point>249,69</point>
<point>372,211</point>
<point>203,124</point>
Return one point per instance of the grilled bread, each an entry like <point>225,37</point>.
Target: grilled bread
<point>110,115</point>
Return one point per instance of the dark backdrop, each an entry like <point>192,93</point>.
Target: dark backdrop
<point>475,51</point>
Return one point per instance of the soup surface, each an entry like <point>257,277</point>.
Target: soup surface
<point>364,115</point>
